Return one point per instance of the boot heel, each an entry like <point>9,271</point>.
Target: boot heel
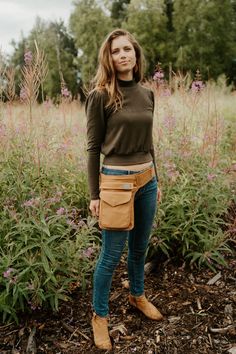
<point>146,307</point>
<point>100,332</point>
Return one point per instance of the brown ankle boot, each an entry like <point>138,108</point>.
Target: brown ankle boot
<point>100,332</point>
<point>149,310</point>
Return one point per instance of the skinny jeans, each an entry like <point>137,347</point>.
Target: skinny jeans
<point>113,243</point>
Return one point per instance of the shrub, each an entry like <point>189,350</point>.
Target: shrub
<point>46,243</point>
<point>190,217</point>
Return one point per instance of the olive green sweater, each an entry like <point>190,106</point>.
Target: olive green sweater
<point>124,137</point>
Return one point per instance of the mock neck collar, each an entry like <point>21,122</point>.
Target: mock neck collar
<point>126,83</point>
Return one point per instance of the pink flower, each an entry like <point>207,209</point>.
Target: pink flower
<point>158,75</point>
<point>65,92</point>
<point>28,57</point>
<point>61,211</point>
<point>81,223</point>
<point>88,252</point>
<point>31,202</point>
<point>197,86</point>
<point>167,153</point>
<point>8,272</point>
<point>173,174</point>
<point>211,176</point>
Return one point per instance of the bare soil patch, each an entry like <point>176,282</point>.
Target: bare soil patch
<point>199,317</point>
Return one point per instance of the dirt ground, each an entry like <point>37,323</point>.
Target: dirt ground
<point>199,317</point>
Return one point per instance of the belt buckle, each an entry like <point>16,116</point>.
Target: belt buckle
<point>127,186</point>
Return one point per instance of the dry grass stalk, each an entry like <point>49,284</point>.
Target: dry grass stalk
<point>10,86</point>
<point>34,73</point>
<point>2,75</point>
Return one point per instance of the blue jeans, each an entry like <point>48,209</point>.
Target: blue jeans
<point>113,243</point>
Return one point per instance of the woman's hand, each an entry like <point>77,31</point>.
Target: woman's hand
<point>159,195</point>
<point>94,207</point>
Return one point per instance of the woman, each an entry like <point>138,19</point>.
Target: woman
<point>119,125</point>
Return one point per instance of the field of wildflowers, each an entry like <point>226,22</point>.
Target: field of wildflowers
<point>49,242</point>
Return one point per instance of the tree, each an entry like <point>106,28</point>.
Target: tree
<point>119,11</point>
<point>147,21</point>
<point>169,13</point>
<point>89,25</point>
<point>204,36</point>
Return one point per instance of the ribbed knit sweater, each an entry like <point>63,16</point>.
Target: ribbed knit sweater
<point>124,137</point>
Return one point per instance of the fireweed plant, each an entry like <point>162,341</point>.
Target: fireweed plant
<point>195,155</point>
<point>48,241</point>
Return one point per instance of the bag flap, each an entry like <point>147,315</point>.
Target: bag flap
<point>115,198</point>
<point>117,185</point>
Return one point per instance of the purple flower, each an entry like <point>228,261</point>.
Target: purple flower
<point>81,223</point>
<point>8,272</point>
<point>88,252</point>
<point>28,57</point>
<point>211,176</point>
<point>31,202</point>
<point>53,200</point>
<point>48,103</point>
<point>65,92</point>
<point>61,211</point>
<point>167,153</point>
<point>173,175</point>
<point>197,86</point>
<point>158,75</point>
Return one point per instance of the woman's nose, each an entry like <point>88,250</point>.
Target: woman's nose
<point>123,54</point>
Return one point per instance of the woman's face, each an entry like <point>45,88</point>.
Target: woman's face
<point>123,57</point>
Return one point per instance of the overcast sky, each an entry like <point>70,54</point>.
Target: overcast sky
<point>19,15</point>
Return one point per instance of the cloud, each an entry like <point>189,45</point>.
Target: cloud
<point>18,16</point>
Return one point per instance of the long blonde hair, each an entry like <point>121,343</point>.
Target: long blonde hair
<point>105,78</point>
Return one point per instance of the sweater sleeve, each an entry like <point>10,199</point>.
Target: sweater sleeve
<point>94,109</point>
<point>152,151</point>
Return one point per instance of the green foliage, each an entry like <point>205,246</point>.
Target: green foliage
<point>89,25</point>
<point>47,247</point>
<point>148,22</point>
<point>190,216</point>
<point>119,11</point>
<point>204,36</point>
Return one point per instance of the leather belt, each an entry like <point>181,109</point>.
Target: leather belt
<point>138,179</point>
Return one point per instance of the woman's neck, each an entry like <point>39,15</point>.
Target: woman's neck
<point>125,77</point>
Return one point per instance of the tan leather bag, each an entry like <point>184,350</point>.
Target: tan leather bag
<point>117,199</point>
